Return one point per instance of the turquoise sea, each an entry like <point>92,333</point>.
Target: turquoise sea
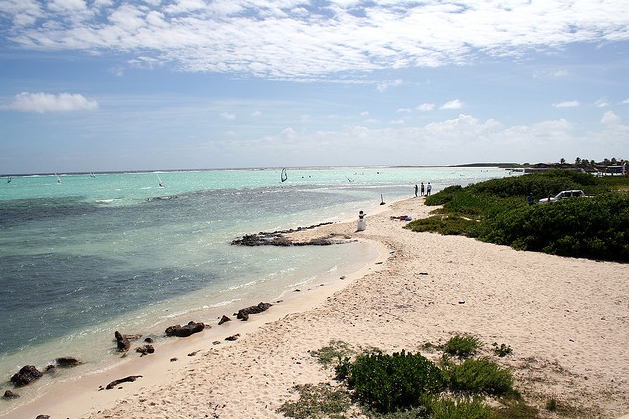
<point>82,256</point>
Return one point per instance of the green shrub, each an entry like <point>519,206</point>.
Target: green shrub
<point>393,382</point>
<point>451,224</point>
<point>596,228</point>
<point>480,376</point>
<point>462,346</point>
<point>496,211</point>
<point>502,350</point>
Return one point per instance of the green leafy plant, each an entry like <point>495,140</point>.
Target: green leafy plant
<point>392,382</point>
<point>502,350</point>
<point>462,346</point>
<point>481,376</point>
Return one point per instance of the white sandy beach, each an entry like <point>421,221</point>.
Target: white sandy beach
<point>567,321</point>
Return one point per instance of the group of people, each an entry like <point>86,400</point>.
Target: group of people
<point>420,190</point>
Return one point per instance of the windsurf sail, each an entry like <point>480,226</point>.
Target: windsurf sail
<point>161,184</point>
<point>284,175</point>
<point>58,178</point>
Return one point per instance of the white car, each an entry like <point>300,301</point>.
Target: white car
<point>563,195</point>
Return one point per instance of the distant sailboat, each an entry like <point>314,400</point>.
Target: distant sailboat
<point>284,175</point>
<point>58,178</point>
<point>9,179</point>
<point>161,184</point>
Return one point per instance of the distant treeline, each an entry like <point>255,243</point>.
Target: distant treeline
<point>497,211</point>
<point>579,163</point>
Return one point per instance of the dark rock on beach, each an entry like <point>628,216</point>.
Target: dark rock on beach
<point>122,342</point>
<point>185,331</point>
<point>128,379</point>
<point>243,314</point>
<point>67,361</point>
<point>145,350</point>
<point>42,417</point>
<point>10,395</point>
<point>277,238</point>
<point>224,319</point>
<point>26,375</point>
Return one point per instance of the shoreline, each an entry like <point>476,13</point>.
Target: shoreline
<point>566,320</point>
<point>82,396</point>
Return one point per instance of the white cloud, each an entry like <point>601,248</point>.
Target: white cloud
<point>404,110</point>
<point>610,118</point>
<point>463,139</point>
<point>625,102</point>
<point>567,104</point>
<point>453,104</point>
<point>45,102</point>
<point>425,107</point>
<point>383,86</point>
<point>274,40</point>
<point>601,103</point>
<point>227,115</point>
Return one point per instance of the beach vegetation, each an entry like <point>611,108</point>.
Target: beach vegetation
<point>391,382</point>
<point>462,346</point>
<point>460,408</point>
<point>551,405</point>
<point>336,353</point>
<point>406,385</point>
<point>496,211</point>
<point>317,402</point>
<point>515,408</point>
<point>502,350</point>
<point>478,376</point>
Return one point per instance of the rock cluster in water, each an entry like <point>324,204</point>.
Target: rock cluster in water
<point>277,238</point>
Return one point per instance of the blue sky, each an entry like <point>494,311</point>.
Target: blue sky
<point>100,85</point>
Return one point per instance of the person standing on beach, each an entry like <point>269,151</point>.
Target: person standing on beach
<point>422,188</point>
<point>415,191</point>
<point>428,189</point>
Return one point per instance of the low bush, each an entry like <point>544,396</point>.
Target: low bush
<point>496,211</point>
<point>392,382</point>
<point>595,228</point>
<point>462,346</point>
<point>450,225</point>
<point>479,376</point>
<point>502,350</point>
<point>409,386</point>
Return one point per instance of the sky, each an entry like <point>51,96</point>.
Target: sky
<point>110,85</point>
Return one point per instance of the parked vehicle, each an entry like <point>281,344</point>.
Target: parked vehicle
<point>563,195</point>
